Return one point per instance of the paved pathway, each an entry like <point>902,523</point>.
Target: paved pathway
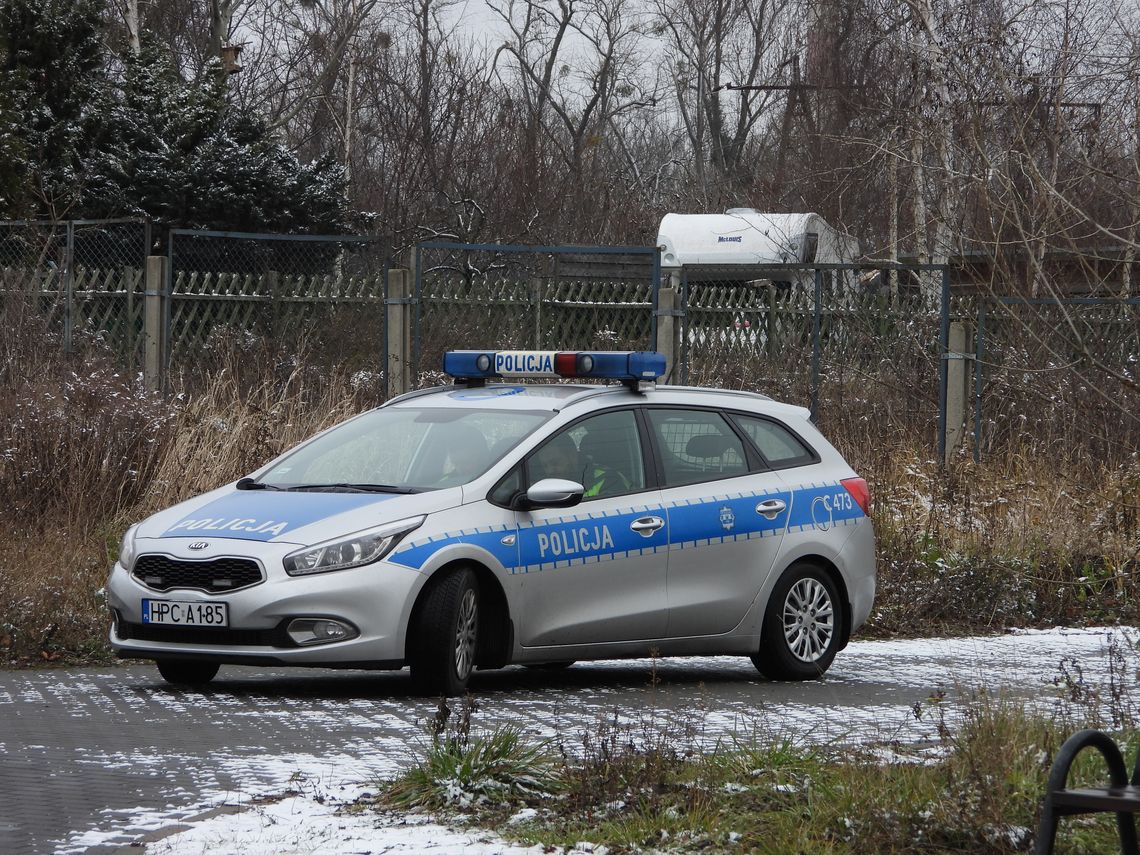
<point>92,758</point>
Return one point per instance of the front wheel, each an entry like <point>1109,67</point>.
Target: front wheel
<point>183,673</point>
<point>803,625</point>
<point>446,636</point>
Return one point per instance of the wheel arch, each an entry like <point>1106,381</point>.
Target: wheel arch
<point>496,630</point>
<point>829,567</point>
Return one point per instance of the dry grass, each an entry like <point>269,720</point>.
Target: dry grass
<point>84,452</point>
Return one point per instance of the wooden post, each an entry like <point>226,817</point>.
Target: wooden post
<point>154,323</point>
<point>955,389</point>
<point>399,332</point>
<point>772,344</point>
<point>667,330</point>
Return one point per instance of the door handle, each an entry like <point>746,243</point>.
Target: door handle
<point>771,507</point>
<point>645,526</point>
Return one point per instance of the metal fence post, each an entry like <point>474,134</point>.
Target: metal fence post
<point>536,296</point>
<point>397,333</point>
<point>979,356</point>
<point>168,285</point>
<point>680,281</point>
<point>816,344</point>
<point>155,299</point>
<point>69,288</point>
<point>655,285</point>
<point>943,359</point>
<point>416,259</point>
<point>276,309</point>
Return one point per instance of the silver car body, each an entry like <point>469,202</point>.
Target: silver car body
<point>680,570</point>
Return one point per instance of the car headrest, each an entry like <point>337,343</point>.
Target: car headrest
<point>707,445</point>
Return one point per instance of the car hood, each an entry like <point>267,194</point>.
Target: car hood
<point>285,517</point>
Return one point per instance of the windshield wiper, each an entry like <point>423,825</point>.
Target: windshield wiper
<point>352,488</point>
<point>250,484</point>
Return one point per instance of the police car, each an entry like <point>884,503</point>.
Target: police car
<point>493,522</point>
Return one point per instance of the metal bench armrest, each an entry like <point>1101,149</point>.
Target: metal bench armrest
<point>1058,778</point>
<point>1078,742</point>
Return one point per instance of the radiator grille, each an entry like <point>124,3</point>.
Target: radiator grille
<point>162,573</point>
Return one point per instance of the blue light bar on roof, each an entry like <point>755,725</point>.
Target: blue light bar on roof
<point>599,364</point>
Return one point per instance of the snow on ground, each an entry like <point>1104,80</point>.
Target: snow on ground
<point>867,698</point>
<point>314,822</point>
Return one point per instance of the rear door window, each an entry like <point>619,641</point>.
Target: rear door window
<point>780,447</point>
<point>695,446</point>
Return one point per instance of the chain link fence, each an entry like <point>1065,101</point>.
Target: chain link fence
<point>320,294</point>
<point>81,278</point>
<point>867,349</point>
<point>524,297</point>
<point>1064,371</point>
<point>860,347</point>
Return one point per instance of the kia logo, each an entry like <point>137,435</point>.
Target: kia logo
<point>198,544</point>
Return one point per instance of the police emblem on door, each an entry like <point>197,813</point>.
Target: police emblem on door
<point>727,518</point>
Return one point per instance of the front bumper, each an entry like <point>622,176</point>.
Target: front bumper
<point>376,599</point>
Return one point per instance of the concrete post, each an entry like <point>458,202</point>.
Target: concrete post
<point>399,332</point>
<point>667,331</point>
<point>956,378</point>
<point>154,324</point>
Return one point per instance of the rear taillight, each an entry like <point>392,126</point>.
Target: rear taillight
<point>859,491</point>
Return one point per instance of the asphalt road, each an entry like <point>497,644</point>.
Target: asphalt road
<point>90,759</point>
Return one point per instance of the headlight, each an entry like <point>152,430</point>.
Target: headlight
<point>127,548</point>
<point>364,547</point>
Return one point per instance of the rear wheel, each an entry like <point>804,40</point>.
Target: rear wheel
<point>803,625</point>
<point>181,673</point>
<point>446,635</point>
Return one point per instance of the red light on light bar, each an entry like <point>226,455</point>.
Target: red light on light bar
<point>566,364</point>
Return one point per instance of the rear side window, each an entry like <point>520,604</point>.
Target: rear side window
<point>780,447</point>
<point>696,445</point>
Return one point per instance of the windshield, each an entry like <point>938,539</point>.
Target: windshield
<point>404,448</point>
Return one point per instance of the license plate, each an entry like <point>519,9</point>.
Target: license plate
<point>180,613</point>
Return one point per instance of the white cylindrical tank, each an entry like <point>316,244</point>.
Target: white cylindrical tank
<point>747,237</point>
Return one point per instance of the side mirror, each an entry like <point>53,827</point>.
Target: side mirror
<point>551,493</point>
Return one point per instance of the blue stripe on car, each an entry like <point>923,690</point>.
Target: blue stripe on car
<point>581,538</point>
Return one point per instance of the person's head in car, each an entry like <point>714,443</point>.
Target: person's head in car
<point>557,459</point>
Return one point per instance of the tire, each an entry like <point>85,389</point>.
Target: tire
<point>551,666</point>
<point>186,673</point>
<point>803,625</point>
<point>445,636</point>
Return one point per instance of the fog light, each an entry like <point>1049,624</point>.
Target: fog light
<point>320,630</point>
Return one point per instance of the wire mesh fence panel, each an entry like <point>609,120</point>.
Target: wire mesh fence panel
<point>320,295</point>
<point>560,298</point>
<point>579,315</point>
<point>880,362</point>
<point>33,263</point>
<point>108,276</point>
<point>868,357</point>
<point>81,279</point>
<point>1061,376</point>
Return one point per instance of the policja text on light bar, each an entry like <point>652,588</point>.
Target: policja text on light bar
<point>601,364</point>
